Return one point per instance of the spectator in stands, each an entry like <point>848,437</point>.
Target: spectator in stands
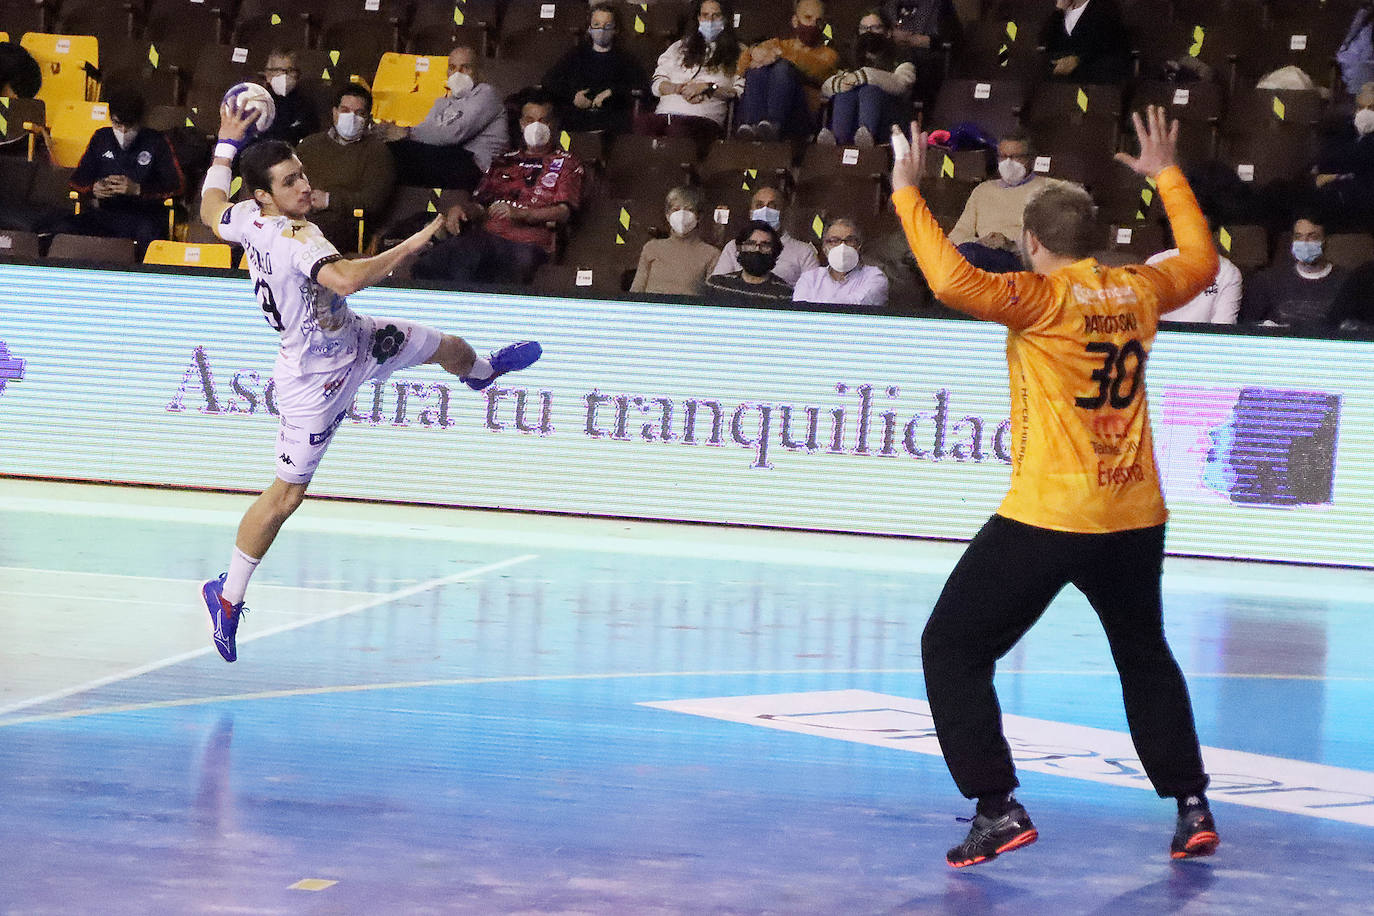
<point>20,75</point>
<point>1343,180</point>
<point>755,283</point>
<point>125,175</point>
<point>783,76</point>
<point>921,28</point>
<point>1086,42</point>
<point>989,230</point>
<point>296,117</point>
<point>695,78</point>
<point>594,83</point>
<point>844,280</point>
<point>1300,294</point>
<point>505,233</point>
<point>20,78</point>
<point>456,142</point>
<point>1354,306</point>
<point>1219,303</point>
<point>679,264</point>
<point>869,99</point>
<point>769,204</point>
<point>349,169</point>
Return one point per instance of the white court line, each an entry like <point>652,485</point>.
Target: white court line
<point>1056,748</point>
<point>295,624</point>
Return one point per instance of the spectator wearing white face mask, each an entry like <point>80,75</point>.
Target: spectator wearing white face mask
<point>769,205</point>
<point>295,112</point>
<point>125,174</point>
<point>989,229</point>
<point>456,142</point>
<point>349,169</point>
<point>1343,179</point>
<point>679,264</point>
<point>844,280</point>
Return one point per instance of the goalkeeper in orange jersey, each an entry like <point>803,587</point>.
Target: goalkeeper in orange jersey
<point>1085,505</point>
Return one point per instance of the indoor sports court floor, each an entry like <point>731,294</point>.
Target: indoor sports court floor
<point>440,711</point>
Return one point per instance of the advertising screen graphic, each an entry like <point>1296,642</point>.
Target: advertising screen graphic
<point>814,420</point>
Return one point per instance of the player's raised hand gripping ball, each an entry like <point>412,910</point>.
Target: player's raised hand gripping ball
<point>250,97</point>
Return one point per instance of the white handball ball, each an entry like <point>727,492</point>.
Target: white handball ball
<point>251,97</point>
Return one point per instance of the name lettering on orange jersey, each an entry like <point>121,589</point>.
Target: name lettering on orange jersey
<point>1110,324</point>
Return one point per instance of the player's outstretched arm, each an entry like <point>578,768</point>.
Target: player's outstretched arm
<point>347,277</point>
<point>214,194</point>
<point>1182,277</point>
<point>952,279</point>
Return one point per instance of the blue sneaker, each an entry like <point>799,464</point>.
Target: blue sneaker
<point>510,358</point>
<point>223,615</point>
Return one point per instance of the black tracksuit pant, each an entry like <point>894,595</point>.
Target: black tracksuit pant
<point>998,590</point>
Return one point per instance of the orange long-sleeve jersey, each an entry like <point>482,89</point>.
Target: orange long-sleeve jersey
<point>1077,342</point>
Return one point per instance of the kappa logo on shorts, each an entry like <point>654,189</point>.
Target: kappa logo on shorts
<point>387,342</point>
<point>11,369</point>
<point>286,459</point>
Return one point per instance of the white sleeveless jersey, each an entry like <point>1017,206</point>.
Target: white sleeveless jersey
<point>319,332</point>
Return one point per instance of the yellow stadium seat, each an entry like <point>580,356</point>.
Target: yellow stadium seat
<point>71,125</point>
<point>406,86</point>
<point>63,60</point>
<point>183,254</point>
<point>4,37</point>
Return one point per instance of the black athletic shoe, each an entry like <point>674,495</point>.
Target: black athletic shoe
<point>989,837</point>
<point>1195,835</point>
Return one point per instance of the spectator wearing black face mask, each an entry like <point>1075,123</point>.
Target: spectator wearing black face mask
<point>758,245</point>
<point>868,99</point>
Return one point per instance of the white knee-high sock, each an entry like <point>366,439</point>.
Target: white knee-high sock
<point>241,567</point>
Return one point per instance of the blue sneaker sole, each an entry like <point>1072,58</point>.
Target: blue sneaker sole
<point>510,358</point>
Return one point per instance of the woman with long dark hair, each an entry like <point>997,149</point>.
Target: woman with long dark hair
<point>696,77</point>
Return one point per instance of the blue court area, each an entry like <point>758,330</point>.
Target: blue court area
<point>438,711</point>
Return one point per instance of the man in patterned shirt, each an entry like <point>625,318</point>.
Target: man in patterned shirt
<point>1084,506</point>
<point>328,352</point>
<point>505,234</point>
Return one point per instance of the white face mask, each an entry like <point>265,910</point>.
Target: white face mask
<point>1364,121</point>
<point>768,215</point>
<point>682,221</point>
<point>282,84</point>
<point>1011,170</point>
<point>537,134</point>
<point>458,83</point>
<point>843,258</point>
<point>349,125</point>
<point>124,136</point>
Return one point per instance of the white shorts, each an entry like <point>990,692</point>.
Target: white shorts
<point>321,402</point>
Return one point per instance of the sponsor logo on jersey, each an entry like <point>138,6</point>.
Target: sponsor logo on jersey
<point>145,158</point>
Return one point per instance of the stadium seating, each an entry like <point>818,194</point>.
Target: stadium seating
<point>15,243</point>
<point>185,53</point>
<point>405,86</point>
<point>71,125</point>
<point>183,254</point>
<point>92,248</point>
<point>69,64</point>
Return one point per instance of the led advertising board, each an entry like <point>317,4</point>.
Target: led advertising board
<point>802,419</point>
